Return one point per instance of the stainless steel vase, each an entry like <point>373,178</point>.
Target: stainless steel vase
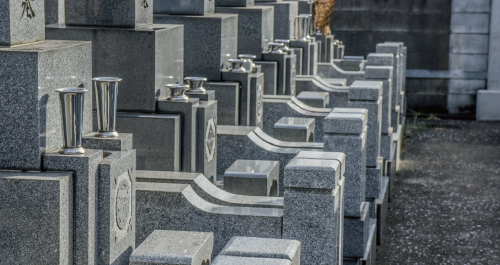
<point>177,92</point>
<point>237,65</point>
<point>302,27</point>
<point>71,100</point>
<point>196,84</point>
<point>106,93</point>
<point>248,64</point>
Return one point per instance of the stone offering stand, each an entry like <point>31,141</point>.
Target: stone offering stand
<point>107,157</point>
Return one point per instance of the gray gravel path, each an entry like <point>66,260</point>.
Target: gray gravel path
<point>446,205</point>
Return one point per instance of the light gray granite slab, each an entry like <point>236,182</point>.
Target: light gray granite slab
<point>123,142</point>
<point>229,260</point>
<point>21,23</point>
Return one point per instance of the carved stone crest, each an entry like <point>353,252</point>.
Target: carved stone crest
<point>27,9</point>
<point>210,140</point>
<point>260,103</point>
<point>144,4</point>
<point>123,205</point>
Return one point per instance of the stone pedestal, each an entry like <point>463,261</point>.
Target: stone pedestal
<point>219,33</point>
<point>255,26</point>
<point>227,95</point>
<point>146,58</point>
<point>187,111</point>
<point>347,132</point>
<point>252,177</point>
<point>309,56</point>
<point>36,217</point>
<point>253,247</point>
<point>29,107</point>
<point>244,80</point>
<point>116,211</point>
<point>123,142</point>
<point>281,60</point>
<point>206,139</point>
<point>85,168</point>
<point>298,62</point>
<point>311,208</point>
<point>270,70</point>
<point>207,96</point>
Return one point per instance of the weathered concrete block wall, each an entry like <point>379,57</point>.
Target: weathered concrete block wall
<point>447,44</point>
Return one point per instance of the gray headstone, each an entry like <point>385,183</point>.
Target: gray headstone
<point>130,13</point>
<point>174,248</point>
<point>184,7</point>
<point>208,95</point>
<point>85,168</point>
<point>157,139</point>
<point>356,233</point>
<point>36,217</point>
<point>188,111</point>
<point>270,70</point>
<point>227,95</point>
<point>306,55</point>
<point>232,3</point>
<point>244,80</point>
<point>340,157</point>
<point>281,60</point>
<point>255,27</point>
<point>29,106</point>
<point>146,58</point>
<point>219,33</point>
<point>21,22</point>
<point>284,17</point>
<point>230,260</point>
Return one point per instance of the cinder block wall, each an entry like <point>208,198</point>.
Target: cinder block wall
<point>447,46</point>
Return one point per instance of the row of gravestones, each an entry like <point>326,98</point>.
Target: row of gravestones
<point>91,199</point>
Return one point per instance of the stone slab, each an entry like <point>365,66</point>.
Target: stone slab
<point>263,248</point>
<point>253,178</point>
<point>280,59</point>
<point>208,95</point>
<point>306,55</point>
<point>146,58</point>
<point>174,248</point>
<point>29,106</point>
<point>244,80</point>
<point>85,168</point>
<point>294,129</point>
<point>380,59</point>
<point>356,233</point>
<point>229,260</point>
<point>227,95</point>
<point>270,70</point>
<point>487,107</point>
<point>123,142</point>
<point>312,174</point>
<point>36,217</point>
<point>284,17</point>
<point>340,157</point>
<point>382,209</point>
<point>256,99</point>
<point>374,181</point>
<point>219,32</point>
<point>315,99</point>
<point>347,123</point>
<point>233,3</point>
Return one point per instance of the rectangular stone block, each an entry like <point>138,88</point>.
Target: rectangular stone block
<point>467,23</point>
<point>85,170</point>
<point>36,217</point>
<point>253,178</point>
<point>263,248</point>
<point>348,123</point>
<point>29,107</point>
<point>290,73</point>
<point>310,217</point>
<point>380,59</point>
<point>354,147</point>
<point>365,90</point>
<point>280,59</point>
<point>313,55</point>
<point>21,22</point>
<point>270,70</point>
<point>233,3</point>
<point>206,139</point>
<point>298,61</point>
<point>174,248</point>
<point>146,58</point>
<point>374,181</point>
<point>116,211</point>
<point>219,32</point>
<point>315,99</point>
<point>227,95</point>
<point>230,260</point>
<point>156,139</point>
<point>294,129</point>
<point>54,12</point>
<point>356,233</point>
<point>306,54</point>
<point>108,13</point>
<point>487,107</point>
<point>188,111</point>
<point>469,43</point>
<point>392,48</point>
<point>312,174</point>
<point>245,90</point>
<point>378,72</point>
<point>184,7</point>
<point>284,17</point>
<point>123,142</point>
<point>207,96</point>
<point>340,157</point>
<point>256,99</point>
<point>255,26</point>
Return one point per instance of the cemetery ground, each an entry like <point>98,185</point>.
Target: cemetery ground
<point>446,206</point>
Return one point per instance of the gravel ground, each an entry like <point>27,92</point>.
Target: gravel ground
<point>446,203</point>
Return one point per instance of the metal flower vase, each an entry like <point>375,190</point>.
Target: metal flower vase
<point>302,27</point>
<point>106,93</point>
<point>71,105</point>
<point>196,84</point>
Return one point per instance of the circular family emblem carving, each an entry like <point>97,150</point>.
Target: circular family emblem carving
<point>210,140</point>
<point>123,200</point>
<point>260,103</point>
